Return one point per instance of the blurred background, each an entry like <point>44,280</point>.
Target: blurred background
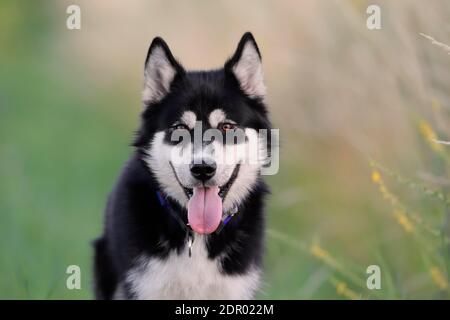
<point>364,176</point>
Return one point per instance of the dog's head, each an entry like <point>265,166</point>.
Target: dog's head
<point>202,132</point>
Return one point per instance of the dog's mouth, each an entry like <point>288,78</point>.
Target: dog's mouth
<point>223,190</point>
<point>205,204</point>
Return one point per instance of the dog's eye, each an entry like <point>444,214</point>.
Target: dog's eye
<point>180,126</point>
<point>227,126</point>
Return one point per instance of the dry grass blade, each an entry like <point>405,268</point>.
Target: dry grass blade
<point>447,143</point>
<point>445,47</point>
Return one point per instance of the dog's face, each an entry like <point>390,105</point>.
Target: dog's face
<point>201,132</point>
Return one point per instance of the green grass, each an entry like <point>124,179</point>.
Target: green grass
<point>59,157</point>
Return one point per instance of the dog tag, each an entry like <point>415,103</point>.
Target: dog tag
<point>190,242</point>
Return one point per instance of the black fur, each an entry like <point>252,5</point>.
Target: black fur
<point>135,221</point>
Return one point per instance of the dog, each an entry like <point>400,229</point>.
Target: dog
<point>181,223</point>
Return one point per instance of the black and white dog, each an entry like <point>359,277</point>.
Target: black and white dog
<point>182,222</point>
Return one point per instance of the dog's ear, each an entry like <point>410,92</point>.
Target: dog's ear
<point>246,66</point>
<point>160,70</point>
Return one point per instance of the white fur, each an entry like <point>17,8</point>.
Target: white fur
<point>189,118</point>
<point>158,158</point>
<point>249,171</point>
<point>248,71</point>
<point>181,277</point>
<point>215,117</point>
<point>158,76</point>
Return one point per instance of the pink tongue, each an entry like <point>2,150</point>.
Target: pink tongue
<point>205,210</point>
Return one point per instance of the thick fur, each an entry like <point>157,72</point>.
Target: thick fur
<point>143,252</point>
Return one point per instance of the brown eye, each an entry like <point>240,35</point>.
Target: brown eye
<point>180,126</point>
<point>227,126</point>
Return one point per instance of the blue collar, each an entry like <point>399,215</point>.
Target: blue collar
<point>162,200</point>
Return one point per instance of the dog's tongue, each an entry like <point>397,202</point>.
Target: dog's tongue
<point>205,210</point>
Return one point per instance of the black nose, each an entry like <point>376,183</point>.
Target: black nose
<point>203,171</point>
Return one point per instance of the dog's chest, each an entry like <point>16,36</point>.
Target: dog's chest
<point>182,277</point>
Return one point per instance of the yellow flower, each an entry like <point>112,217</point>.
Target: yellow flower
<point>325,257</point>
<point>439,278</point>
<point>343,290</point>
<point>399,211</point>
<point>403,220</point>
<point>318,252</point>
<point>429,135</point>
<point>376,177</point>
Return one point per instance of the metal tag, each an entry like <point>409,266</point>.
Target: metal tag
<point>190,242</point>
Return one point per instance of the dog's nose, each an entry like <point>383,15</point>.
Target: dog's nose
<point>203,171</point>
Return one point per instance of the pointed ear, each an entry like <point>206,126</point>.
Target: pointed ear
<point>246,66</point>
<point>160,70</point>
